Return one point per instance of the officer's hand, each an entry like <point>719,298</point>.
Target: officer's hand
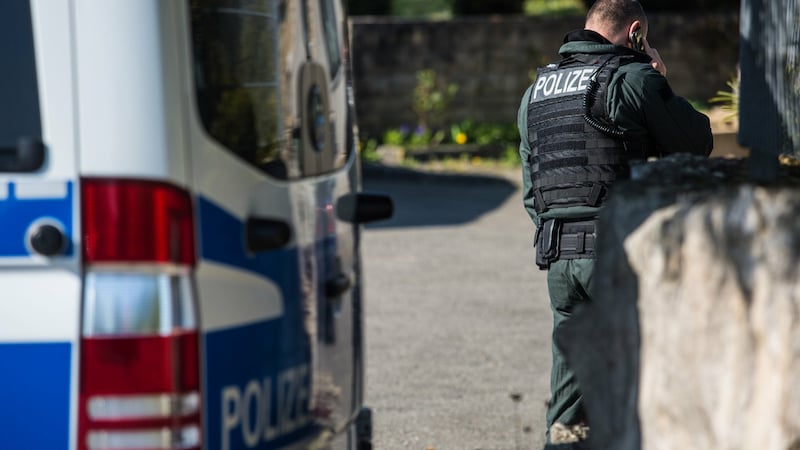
<point>657,62</point>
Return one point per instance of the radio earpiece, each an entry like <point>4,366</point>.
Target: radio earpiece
<point>636,41</point>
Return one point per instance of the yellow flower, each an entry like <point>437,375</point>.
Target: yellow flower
<point>461,138</point>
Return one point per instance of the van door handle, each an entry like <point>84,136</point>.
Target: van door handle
<point>26,156</point>
<point>337,285</point>
<point>364,207</point>
<point>262,235</point>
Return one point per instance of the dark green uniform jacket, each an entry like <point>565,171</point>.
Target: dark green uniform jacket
<point>639,101</point>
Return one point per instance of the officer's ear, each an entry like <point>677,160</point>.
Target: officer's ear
<point>636,36</point>
<point>636,25</point>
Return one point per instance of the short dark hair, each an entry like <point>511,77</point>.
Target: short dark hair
<point>616,13</point>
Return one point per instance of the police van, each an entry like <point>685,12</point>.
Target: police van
<point>180,202</point>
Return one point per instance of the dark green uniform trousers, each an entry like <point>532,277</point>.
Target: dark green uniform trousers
<point>569,283</point>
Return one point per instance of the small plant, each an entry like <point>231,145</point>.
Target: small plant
<point>395,137</point>
<point>431,98</point>
<point>420,137</point>
<point>729,100</point>
<point>458,134</point>
<point>369,151</point>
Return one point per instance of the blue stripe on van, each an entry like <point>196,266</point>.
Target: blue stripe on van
<point>35,395</point>
<point>256,374</point>
<point>18,214</point>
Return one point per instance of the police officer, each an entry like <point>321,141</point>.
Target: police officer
<point>581,123</point>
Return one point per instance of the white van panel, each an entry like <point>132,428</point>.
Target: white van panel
<point>28,190</point>
<point>218,185</point>
<point>231,297</point>
<point>51,27</point>
<point>130,102</point>
<point>52,308</point>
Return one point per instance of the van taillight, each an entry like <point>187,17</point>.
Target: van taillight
<point>140,366</point>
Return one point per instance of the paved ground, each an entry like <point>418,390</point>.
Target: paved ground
<point>457,317</point>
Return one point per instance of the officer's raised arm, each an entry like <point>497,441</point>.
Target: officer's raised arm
<point>676,126</point>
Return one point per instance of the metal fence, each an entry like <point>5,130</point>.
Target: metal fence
<point>769,104</point>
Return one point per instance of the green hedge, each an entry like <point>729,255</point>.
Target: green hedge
<point>684,5</point>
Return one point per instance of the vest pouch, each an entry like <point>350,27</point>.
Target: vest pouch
<point>547,243</point>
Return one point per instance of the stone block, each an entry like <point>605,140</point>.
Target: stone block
<point>694,339</point>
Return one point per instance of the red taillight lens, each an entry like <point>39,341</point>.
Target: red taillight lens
<point>133,365</point>
<point>136,221</point>
<point>140,362</point>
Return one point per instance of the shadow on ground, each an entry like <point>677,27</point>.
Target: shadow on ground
<point>436,199</point>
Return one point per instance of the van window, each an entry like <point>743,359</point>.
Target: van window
<point>235,47</point>
<point>331,35</point>
<point>19,92</point>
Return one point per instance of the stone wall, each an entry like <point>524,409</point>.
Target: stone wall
<point>491,60</point>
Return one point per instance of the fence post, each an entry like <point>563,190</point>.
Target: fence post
<point>769,114</point>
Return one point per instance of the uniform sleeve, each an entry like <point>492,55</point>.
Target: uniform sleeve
<point>524,153</point>
<point>642,101</point>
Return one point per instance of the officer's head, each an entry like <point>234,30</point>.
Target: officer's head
<point>617,20</point>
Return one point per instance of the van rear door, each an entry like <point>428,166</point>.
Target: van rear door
<point>39,263</point>
<point>256,270</point>
<point>278,274</point>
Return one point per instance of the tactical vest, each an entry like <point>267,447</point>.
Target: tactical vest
<point>576,152</point>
